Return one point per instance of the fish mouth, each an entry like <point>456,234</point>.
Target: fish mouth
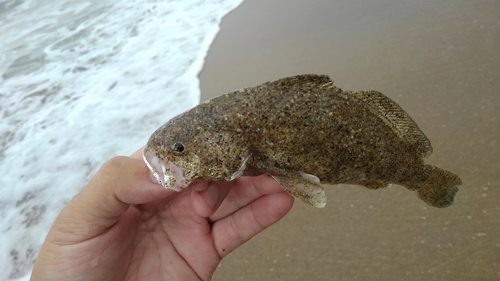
<point>166,173</point>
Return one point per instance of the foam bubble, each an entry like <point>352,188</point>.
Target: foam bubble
<point>82,82</point>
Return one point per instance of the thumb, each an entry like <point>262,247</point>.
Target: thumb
<point>120,182</point>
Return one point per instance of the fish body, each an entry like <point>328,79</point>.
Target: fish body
<point>304,132</point>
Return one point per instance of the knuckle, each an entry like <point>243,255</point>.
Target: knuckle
<point>237,232</point>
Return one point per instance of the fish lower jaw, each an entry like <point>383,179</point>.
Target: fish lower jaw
<point>165,173</point>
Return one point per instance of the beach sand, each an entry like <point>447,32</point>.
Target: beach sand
<point>441,63</point>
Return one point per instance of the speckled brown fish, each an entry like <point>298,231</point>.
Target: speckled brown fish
<point>304,132</point>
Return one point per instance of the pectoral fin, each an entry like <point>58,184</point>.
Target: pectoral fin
<point>303,186</point>
<point>242,168</point>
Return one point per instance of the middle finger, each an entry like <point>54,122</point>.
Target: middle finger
<point>244,191</point>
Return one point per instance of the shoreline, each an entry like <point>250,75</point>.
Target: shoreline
<point>440,62</point>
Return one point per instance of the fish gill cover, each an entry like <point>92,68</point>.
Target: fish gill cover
<point>80,82</point>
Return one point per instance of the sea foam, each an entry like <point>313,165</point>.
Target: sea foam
<point>81,82</point>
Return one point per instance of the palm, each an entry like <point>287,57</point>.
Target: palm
<point>175,240</point>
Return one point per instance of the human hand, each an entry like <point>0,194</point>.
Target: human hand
<point>122,226</point>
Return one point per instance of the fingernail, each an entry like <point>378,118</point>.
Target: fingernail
<point>211,195</point>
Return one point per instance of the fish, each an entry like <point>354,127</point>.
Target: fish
<point>304,132</point>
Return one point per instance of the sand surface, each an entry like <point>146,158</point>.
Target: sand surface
<point>441,63</point>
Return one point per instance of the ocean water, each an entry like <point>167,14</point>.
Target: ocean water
<point>81,82</point>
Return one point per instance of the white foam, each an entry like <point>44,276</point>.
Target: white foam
<point>82,81</point>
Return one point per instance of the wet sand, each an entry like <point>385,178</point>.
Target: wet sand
<point>441,63</point>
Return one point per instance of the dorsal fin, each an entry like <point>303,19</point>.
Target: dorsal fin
<point>396,118</point>
<point>310,80</point>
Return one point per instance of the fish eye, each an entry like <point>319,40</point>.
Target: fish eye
<point>179,147</point>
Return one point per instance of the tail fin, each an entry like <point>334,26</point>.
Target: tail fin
<point>439,188</point>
